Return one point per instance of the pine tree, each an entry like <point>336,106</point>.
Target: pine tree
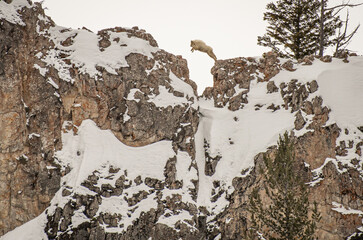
<point>293,29</point>
<point>302,27</point>
<point>287,215</point>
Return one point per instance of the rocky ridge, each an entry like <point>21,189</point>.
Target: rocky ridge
<point>335,175</point>
<point>53,91</point>
<point>53,96</point>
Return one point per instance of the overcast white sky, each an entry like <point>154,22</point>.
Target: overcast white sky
<point>230,27</point>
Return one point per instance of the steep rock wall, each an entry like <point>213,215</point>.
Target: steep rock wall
<point>46,89</point>
<point>30,124</point>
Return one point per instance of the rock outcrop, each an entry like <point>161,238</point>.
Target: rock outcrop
<point>321,153</point>
<point>144,97</point>
<point>103,136</point>
<point>231,79</point>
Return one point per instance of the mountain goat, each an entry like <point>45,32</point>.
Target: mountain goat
<point>201,46</point>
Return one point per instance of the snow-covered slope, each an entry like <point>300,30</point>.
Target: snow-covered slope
<point>95,151</point>
<point>237,137</point>
<point>340,86</point>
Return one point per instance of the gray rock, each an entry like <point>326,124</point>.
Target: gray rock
<point>271,87</point>
<point>313,86</point>
<point>299,121</point>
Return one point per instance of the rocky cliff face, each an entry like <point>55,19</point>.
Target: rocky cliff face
<point>103,135</point>
<point>49,86</point>
<point>328,155</point>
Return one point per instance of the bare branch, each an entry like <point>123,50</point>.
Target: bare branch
<point>350,36</point>
<point>344,5</point>
<point>337,11</point>
<point>343,40</point>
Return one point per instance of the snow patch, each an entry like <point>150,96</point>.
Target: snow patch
<point>342,93</point>
<point>51,82</point>
<point>166,98</point>
<point>181,86</point>
<point>174,218</point>
<point>10,12</point>
<point>118,205</point>
<point>318,172</point>
<point>93,148</point>
<point>85,54</point>
<point>78,217</point>
<point>343,210</point>
<point>185,172</point>
<point>34,229</point>
<point>41,70</point>
<point>131,95</point>
<point>30,136</point>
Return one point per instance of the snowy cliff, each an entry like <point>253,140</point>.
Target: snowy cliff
<point>104,137</point>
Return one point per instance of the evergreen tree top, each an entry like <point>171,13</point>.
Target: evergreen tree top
<point>294,28</point>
